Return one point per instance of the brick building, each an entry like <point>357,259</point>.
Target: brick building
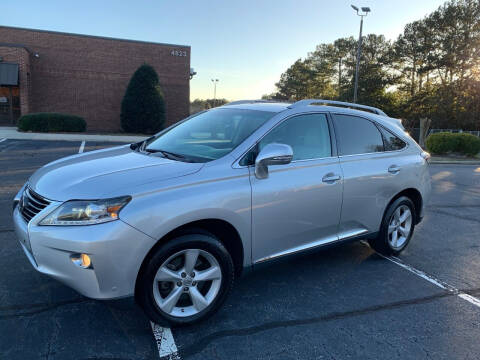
<point>45,71</point>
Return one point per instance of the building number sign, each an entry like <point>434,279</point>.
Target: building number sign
<point>178,53</point>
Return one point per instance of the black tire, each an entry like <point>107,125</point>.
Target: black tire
<point>381,243</point>
<point>203,241</point>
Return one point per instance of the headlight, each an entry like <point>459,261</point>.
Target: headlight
<point>86,212</point>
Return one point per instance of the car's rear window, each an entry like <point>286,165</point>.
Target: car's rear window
<point>357,135</point>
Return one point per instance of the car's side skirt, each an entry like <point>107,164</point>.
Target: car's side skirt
<point>351,235</point>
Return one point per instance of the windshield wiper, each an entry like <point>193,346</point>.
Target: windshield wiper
<point>168,154</point>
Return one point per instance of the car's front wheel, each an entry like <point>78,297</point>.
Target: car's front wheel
<point>397,227</point>
<point>186,280</point>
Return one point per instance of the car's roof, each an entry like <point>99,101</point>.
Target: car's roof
<point>263,106</point>
<point>281,106</point>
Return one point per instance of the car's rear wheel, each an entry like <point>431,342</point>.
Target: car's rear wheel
<point>397,227</point>
<point>186,280</point>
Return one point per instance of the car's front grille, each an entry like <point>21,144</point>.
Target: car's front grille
<point>31,204</point>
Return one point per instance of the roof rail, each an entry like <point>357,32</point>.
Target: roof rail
<point>239,102</point>
<point>341,103</point>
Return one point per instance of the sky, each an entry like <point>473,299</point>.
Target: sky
<point>245,44</point>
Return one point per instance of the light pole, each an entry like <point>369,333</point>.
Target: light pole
<point>365,11</point>
<point>215,81</point>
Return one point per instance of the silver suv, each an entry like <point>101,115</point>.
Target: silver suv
<point>175,218</point>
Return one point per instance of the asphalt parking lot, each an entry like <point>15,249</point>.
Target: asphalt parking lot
<point>338,303</point>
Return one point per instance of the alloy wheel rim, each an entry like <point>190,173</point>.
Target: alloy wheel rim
<point>399,227</point>
<point>187,282</point>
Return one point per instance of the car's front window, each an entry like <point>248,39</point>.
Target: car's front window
<point>209,135</point>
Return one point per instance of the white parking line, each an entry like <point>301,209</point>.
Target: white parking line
<point>165,342</point>
<point>470,299</point>
<point>82,146</point>
<point>441,284</point>
<point>420,273</point>
<point>2,140</point>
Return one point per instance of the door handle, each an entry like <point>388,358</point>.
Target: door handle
<point>331,178</point>
<point>394,169</point>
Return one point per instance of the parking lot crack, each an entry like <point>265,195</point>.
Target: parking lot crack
<point>53,337</point>
<point>462,217</point>
<point>34,309</point>
<point>202,343</point>
<point>421,347</point>
<point>113,358</point>
<point>439,206</point>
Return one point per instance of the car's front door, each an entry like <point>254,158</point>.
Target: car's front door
<point>298,205</point>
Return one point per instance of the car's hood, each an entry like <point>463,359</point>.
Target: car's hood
<point>105,173</point>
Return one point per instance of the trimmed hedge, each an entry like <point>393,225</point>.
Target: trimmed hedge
<point>51,122</point>
<point>143,106</point>
<point>444,142</point>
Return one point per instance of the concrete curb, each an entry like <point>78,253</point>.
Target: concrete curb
<point>12,133</point>
<point>453,162</point>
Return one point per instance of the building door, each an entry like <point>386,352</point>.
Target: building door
<point>9,94</point>
<point>9,105</point>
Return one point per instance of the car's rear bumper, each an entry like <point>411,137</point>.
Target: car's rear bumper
<point>116,249</point>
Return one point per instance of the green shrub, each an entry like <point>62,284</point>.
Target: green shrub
<point>444,142</point>
<point>143,106</point>
<point>51,122</point>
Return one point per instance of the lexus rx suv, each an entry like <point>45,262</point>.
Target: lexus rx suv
<point>174,219</point>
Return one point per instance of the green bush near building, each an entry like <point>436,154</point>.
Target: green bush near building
<point>52,122</point>
<point>143,106</point>
<point>444,143</point>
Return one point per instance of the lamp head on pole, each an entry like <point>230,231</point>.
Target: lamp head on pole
<point>364,9</point>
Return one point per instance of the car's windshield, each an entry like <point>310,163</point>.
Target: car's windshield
<point>209,135</point>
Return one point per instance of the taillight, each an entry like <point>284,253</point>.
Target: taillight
<point>425,155</point>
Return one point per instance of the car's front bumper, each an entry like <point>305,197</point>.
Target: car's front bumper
<point>116,249</point>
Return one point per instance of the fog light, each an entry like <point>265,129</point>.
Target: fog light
<point>82,260</point>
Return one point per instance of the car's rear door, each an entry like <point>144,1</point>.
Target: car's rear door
<point>298,205</point>
<point>373,170</point>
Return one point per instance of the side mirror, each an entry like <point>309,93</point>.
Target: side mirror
<point>272,154</point>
